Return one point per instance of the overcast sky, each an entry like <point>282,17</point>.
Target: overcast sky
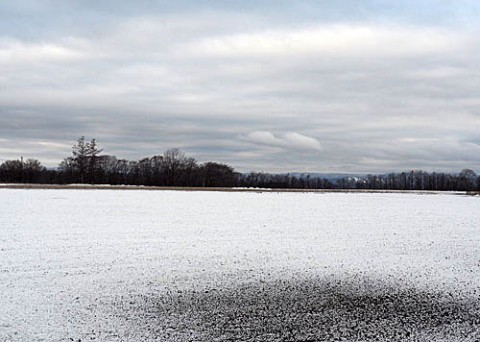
<point>351,86</point>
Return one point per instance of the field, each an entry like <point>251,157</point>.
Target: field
<point>110,265</point>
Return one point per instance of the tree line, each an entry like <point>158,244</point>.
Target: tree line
<point>466,180</point>
<point>87,165</point>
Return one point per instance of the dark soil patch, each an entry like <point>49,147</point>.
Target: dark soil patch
<point>312,310</point>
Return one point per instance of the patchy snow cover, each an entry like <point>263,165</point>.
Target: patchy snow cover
<point>113,265</point>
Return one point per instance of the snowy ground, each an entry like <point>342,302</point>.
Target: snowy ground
<point>112,265</point>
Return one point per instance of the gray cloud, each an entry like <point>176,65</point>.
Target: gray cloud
<point>358,88</point>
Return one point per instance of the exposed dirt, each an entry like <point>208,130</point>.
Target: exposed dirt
<point>180,188</point>
<point>308,310</point>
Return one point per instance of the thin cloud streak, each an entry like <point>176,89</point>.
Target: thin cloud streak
<point>340,40</point>
<point>289,140</point>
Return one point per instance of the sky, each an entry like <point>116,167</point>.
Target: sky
<point>269,85</point>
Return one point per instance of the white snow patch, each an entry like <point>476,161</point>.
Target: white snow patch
<point>67,255</point>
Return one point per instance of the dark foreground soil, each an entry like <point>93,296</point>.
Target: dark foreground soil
<point>308,310</point>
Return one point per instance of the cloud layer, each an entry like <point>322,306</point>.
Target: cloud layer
<point>272,87</point>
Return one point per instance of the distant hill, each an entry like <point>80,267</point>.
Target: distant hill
<point>330,176</point>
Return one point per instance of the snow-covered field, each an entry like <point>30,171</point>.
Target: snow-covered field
<point>112,265</point>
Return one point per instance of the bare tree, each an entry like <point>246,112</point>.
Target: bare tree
<point>172,160</point>
<point>467,180</point>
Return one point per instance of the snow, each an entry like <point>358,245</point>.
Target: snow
<point>74,263</point>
